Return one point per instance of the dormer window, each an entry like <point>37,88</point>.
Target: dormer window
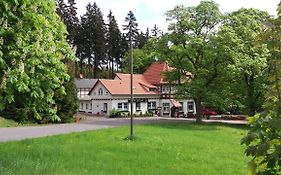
<point>100,91</point>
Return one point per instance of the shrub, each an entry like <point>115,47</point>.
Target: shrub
<point>115,113</point>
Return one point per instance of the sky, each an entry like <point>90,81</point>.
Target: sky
<point>151,12</point>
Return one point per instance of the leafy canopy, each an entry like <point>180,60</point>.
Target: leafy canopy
<point>33,50</point>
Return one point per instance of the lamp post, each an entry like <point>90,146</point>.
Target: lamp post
<point>131,88</point>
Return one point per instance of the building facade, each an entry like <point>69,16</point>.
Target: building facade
<point>151,94</point>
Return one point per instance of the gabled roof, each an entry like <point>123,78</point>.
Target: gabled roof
<point>85,83</point>
<point>153,73</point>
<point>121,85</point>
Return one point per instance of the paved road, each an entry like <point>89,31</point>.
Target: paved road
<point>19,133</point>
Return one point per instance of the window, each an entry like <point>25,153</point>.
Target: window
<point>86,105</point>
<point>120,106</point>
<point>91,107</point>
<point>181,108</point>
<point>166,108</point>
<point>106,93</point>
<point>81,105</point>
<point>125,106</point>
<point>190,106</point>
<point>82,92</point>
<point>105,107</point>
<point>151,105</point>
<point>138,106</point>
<point>100,91</point>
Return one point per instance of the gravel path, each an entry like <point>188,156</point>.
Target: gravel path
<point>19,133</point>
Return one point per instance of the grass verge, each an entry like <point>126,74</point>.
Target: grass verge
<point>7,123</point>
<point>164,149</point>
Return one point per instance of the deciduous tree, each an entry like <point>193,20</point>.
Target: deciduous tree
<point>33,52</point>
<point>191,31</point>
<point>263,139</point>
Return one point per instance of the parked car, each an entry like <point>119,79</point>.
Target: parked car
<point>207,111</point>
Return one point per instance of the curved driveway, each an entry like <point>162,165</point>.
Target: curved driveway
<point>19,133</point>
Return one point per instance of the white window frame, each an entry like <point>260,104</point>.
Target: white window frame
<point>166,108</point>
<point>138,106</point>
<point>189,104</point>
<point>122,106</point>
<point>151,105</point>
<point>100,91</point>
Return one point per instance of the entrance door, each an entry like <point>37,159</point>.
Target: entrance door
<point>105,108</point>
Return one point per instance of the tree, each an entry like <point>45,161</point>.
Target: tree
<point>113,42</point>
<point>192,28</point>
<point>155,32</point>
<point>131,28</point>
<point>68,104</point>
<point>92,38</point>
<point>263,139</point>
<point>142,60</point>
<point>124,48</point>
<point>68,13</point>
<point>141,40</point>
<point>33,50</point>
<point>249,62</point>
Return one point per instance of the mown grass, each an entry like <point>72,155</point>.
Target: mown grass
<point>164,149</point>
<point>7,123</point>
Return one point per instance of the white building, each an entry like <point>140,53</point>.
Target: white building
<point>151,94</point>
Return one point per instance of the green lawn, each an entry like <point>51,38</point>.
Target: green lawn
<point>7,123</point>
<point>160,149</point>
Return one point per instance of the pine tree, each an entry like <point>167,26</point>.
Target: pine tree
<point>147,34</point>
<point>72,21</point>
<point>113,42</point>
<point>131,28</point>
<point>124,48</point>
<point>68,104</point>
<point>155,32</point>
<point>68,13</point>
<point>93,34</point>
<point>141,40</point>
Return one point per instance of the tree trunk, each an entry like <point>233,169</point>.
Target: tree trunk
<point>198,101</point>
<point>251,100</point>
<point>96,70</point>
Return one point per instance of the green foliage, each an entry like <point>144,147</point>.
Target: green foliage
<point>131,28</point>
<point>33,50</point>
<point>7,123</point>
<point>68,105</point>
<point>142,60</point>
<point>113,37</point>
<point>114,113</point>
<point>263,141</point>
<point>264,144</point>
<point>247,72</point>
<point>91,42</point>
<point>190,48</point>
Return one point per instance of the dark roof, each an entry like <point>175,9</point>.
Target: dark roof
<point>85,83</point>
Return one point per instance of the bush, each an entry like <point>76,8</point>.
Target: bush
<point>148,114</point>
<point>115,113</point>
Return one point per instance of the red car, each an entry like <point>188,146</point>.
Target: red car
<point>207,111</point>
